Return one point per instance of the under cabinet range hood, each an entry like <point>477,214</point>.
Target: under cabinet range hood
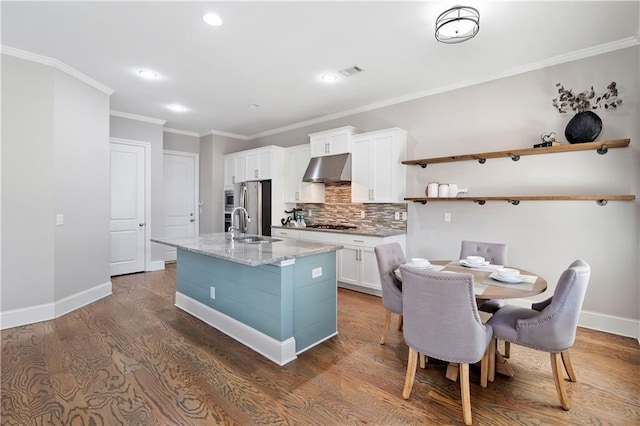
<point>330,168</point>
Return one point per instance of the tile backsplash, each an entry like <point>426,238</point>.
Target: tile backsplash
<point>339,210</point>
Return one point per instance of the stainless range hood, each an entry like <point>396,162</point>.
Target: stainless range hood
<point>331,168</point>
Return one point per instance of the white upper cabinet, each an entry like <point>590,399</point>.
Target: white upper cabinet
<point>296,162</point>
<point>233,169</point>
<point>258,164</point>
<point>332,142</point>
<point>377,172</point>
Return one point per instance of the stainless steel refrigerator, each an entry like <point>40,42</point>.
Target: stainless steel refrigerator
<point>255,196</point>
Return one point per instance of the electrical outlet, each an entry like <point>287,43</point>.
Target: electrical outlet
<point>316,272</point>
<point>447,217</point>
<point>59,219</point>
<point>404,215</point>
<point>396,216</point>
<point>310,213</point>
<point>212,292</point>
<point>362,215</point>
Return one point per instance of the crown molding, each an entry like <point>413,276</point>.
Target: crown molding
<point>226,134</point>
<point>181,132</point>
<point>137,117</point>
<point>45,60</point>
<point>556,60</point>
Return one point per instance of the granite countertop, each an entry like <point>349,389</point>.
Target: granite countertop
<point>217,245</point>
<point>387,232</point>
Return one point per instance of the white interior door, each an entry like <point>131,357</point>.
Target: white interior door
<point>181,193</point>
<point>128,195</point>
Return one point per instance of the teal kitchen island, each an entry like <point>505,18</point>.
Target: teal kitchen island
<point>279,298</point>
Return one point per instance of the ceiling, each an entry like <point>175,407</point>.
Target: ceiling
<point>273,53</point>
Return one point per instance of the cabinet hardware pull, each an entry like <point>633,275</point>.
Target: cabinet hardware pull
<point>358,241</point>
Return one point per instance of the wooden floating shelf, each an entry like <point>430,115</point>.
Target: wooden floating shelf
<point>515,200</point>
<point>515,154</point>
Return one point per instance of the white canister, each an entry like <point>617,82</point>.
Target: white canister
<point>453,190</point>
<point>443,190</point>
<point>432,190</point>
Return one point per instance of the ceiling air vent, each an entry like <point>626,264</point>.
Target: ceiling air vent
<point>348,72</point>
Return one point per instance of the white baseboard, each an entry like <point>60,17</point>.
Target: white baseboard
<point>49,311</point>
<point>276,351</point>
<point>156,265</point>
<point>598,321</point>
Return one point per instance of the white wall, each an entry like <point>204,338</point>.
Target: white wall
<point>180,142</point>
<point>212,150</point>
<point>547,236</point>
<point>55,161</point>
<point>27,184</point>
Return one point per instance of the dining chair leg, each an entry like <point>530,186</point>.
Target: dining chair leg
<point>566,360</point>
<point>491,375</point>
<point>556,359</point>
<point>465,393</point>
<point>484,367</point>
<point>507,349</point>
<point>385,329</point>
<point>411,373</point>
<point>401,323</point>
<point>423,360</point>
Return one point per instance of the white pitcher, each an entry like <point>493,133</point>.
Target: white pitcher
<point>454,190</point>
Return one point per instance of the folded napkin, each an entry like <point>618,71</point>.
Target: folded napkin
<point>457,265</point>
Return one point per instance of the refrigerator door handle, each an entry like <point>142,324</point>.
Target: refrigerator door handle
<point>243,203</point>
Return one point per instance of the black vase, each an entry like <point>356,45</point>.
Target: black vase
<point>583,127</point>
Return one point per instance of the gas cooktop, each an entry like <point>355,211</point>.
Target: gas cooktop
<point>330,226</point>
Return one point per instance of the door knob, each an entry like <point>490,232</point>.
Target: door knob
<point>192,220</point>
<point>141,224</point>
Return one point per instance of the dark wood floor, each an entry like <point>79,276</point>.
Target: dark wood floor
<point>134,358</point>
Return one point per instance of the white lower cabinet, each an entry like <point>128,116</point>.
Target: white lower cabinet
<point>293,234</point>
<point>357,264</point>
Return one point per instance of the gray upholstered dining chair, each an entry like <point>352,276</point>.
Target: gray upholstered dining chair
<point>552,328</point>
<point>441,320</point>
<point>496,254</point>
<point>389,257</point>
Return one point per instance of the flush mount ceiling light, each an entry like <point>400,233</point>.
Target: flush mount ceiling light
<point>329,78</point>
<point>458,24</point>
<point>212,19</point>
<point>147,74</point>
<point>176,108</point>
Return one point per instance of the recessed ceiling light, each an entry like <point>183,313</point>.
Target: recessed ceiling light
<point>147,74</point>
<point>212,19</point>
<point>329,78</point>
<point>176,108</point>
<point>253,106</point>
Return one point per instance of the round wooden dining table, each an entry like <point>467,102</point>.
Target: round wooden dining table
<point>495,289</point>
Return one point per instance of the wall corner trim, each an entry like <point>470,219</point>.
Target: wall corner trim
<point>137,117</point>
<point>52,62</point>
<point>49,311</point>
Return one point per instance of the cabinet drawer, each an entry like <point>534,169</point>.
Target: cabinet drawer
<point>360,240</point>
<point>321,237</point>
<point>285,233</point>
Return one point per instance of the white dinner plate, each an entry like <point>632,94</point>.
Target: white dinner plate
<point>463,262</point>
<point>421,265</point>
<point>510,280</point>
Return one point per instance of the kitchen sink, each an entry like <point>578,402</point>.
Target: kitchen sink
<point>255,240</point>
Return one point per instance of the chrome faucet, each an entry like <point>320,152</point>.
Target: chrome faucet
<point>232,228</point>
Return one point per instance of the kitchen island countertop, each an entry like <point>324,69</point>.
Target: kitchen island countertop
<point>217,245</point>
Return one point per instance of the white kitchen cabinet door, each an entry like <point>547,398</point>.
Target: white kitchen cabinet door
<point>349,265</point>
<point>233,169</point>
<point>370,277</point>
<point>297,160</point>
<point>378,175</point>
<point>258,164</point>
<point>332,142</point>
